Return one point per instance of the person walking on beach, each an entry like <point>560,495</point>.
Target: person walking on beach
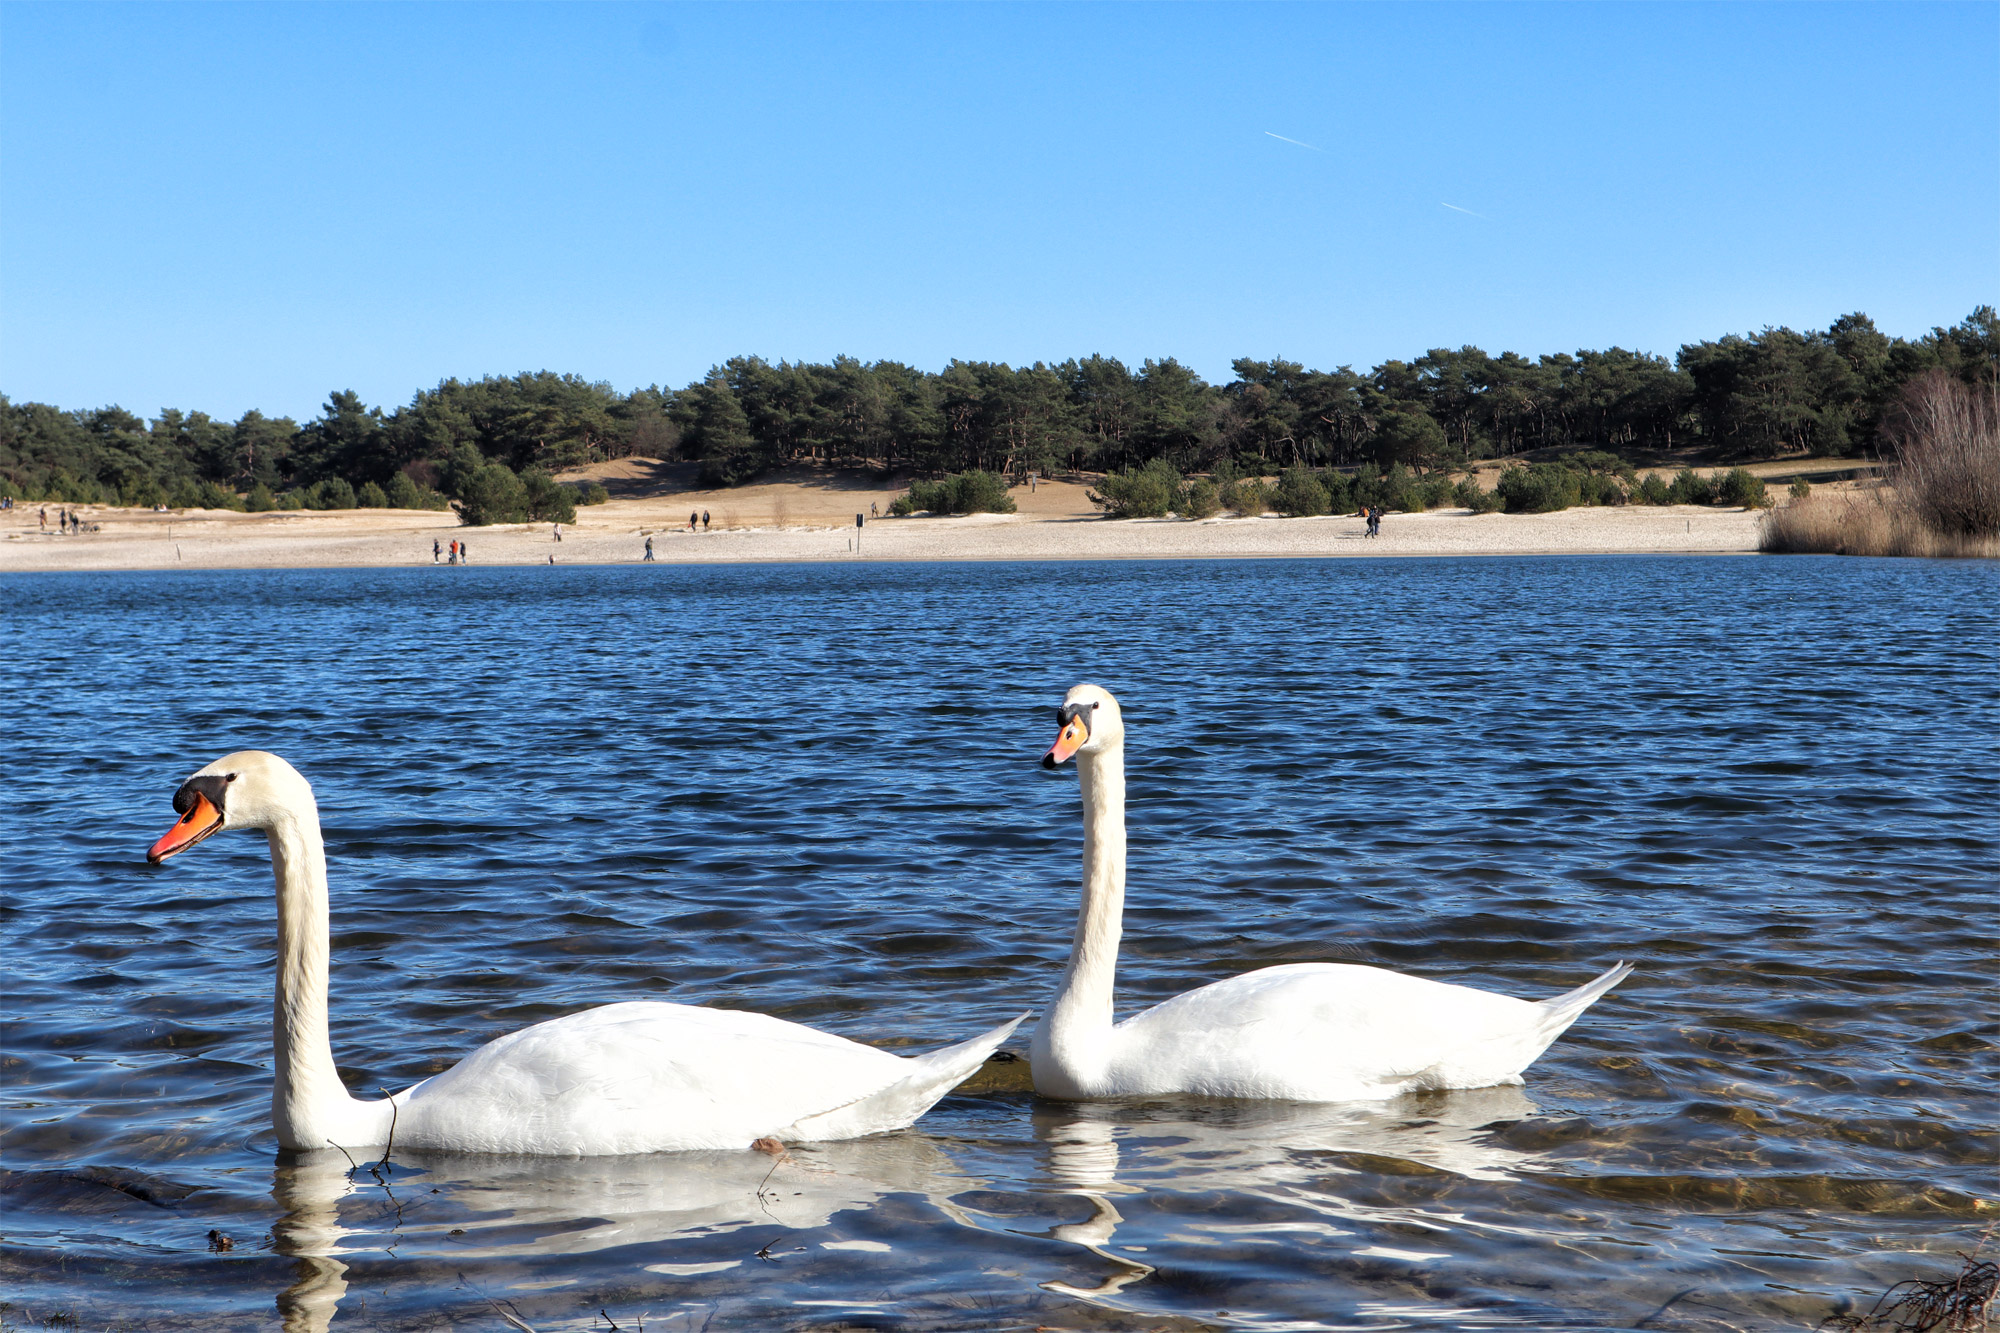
<point>692,520</point>
<point>45,518</point>
<point>436,550</point>
<point>463,558</point>
<point>704,520</point>
<point>649,548</point>
<point>557,529</point>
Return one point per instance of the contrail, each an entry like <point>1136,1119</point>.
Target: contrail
<point>1282,138</point>
<point>1456,209</point>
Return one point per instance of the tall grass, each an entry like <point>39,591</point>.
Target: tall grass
<point>1942,496</point>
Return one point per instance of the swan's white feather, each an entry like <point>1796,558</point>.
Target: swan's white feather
<point>1326,1032</point>
<point>647,1076</point>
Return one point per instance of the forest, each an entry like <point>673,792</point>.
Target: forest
<point>491,447</point>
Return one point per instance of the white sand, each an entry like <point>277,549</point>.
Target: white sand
<point>1054,528</point>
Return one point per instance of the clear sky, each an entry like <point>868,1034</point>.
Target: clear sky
<point>233,206</point>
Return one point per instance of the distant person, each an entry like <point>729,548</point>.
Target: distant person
<point>552,557</point>
<point>463,558</point>
<point>873,510</point>
<point>649,548</point>
<point>704,520</point>
<point>454,552</point>
<point>45,518</point>
<point>436,551</point>
<point>693,519</point>
<point>557,529</point>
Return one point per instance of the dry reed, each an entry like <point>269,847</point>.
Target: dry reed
<point>1943,491</point>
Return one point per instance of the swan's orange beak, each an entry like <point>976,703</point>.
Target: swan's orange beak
<point>1068,740</point>
<point>201,820</point>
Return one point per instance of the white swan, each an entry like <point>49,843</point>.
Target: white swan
<point>638,1077</point>
<point>1317,1032</point>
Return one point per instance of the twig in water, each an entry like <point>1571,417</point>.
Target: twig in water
<point>1919,1305</point>
<point>390,1147</point>
<point>506,1312</point>
<point>352,1165</point>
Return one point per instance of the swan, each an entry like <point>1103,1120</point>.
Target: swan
<point>642,1076</point>
<point>1312,1032</point>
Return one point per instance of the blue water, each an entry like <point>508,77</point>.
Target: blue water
<point>812,791</point>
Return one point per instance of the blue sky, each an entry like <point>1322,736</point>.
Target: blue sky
<point>233,206</point>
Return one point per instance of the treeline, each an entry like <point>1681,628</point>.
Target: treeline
<point>1157,489</point>
<point>490,444</point>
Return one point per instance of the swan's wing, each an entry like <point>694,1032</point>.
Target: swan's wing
<point>903,1101</point>
<point>1338,1032</point>
<point>642,1077</point>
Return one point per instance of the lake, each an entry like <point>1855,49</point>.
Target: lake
<point>813,792</point>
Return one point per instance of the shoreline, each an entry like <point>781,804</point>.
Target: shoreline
<point>615,533</point>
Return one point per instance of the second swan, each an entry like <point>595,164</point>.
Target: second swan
<point>1313,1032</point>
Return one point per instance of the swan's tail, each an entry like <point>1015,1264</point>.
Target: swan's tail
<point>899,1104</point>
<point>1559,1011</point>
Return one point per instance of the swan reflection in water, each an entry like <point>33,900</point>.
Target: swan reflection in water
<point>1286,1152</point>
<point>440,1213</point>
<point>448,1210</point>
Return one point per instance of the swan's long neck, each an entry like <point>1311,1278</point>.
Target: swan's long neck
<point>1075,1037</point>
<point>309,1105</point>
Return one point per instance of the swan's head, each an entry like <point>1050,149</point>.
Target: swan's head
<point>248,789</point>
<point>1090,724</point>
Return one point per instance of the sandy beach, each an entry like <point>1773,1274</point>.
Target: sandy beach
<point>811,517</point>
<point>209,539</point>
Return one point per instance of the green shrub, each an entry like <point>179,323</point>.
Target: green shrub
<point>371,496</point>
<point>1653,491</point>
<point>1432,493</point>
<point>402,493</point>
<point>546,499</point>
<point>1151,491</point>
<point>1596,488</point>
<point>491,494</point>
<point>973,492</point>
<point>333,493</point>
<point>903,506</point>
<point>1339,491</point>
<point>1688,488</point>
<point>211,496</point>
<point>1247,498</point>
<point>1539,488</point>
<point>1597,460</point>
<point>142,494</point>
<point>1199,499</point>
<point>1741,486</point>
<point>185,493</point>
<point>1468,494</point>
<point>1299,494</point>
<point>1801,488</point>
<point>260,500</point>
<point>292,499</point>
<point>591,493</point>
